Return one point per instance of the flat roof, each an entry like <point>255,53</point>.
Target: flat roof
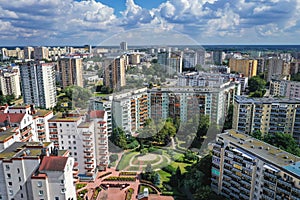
<point>266,100</point>
<point>261,149</point>
<point>42,113</point>
<point>294,168</point>
<point>17,149</point>
<point>6,134</point>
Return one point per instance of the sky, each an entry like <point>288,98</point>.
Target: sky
<point>148,22</point>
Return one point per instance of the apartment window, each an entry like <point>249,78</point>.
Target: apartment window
<point>18,170</point>
<point>21,188</point>
<point>63,190</point>
<point>70,147</point>
<point>70,153</point>
<point>74,142</point>
<point>62,142</point>
<point>41,193</point>
<point>10,183</point>
<point>61,136</point>
<point>0,196</point>
<point>69,142</point>
<point>7,167</point>
<point>39,184</point>
<point>56,198</point>
<point>69,136</point>
<point>75,153</point>
<point>75,147</point>
<point>62,148</point>
<point>9,176</point>
<point>11,192</point>
<point>74,136</point>
<point>20,179</point>
<point>22,195</point>
<point>60,125</point>
<point>61,182</point>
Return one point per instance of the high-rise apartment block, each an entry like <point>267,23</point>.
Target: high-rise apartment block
<point>285,88</point>
<point>171,61</point>
<point>75,133</point>
<point>123,46</point>
<point>276,66</point>
<point>10,84</point>
<point>267,115</point>
<point>41,53</point>
<point>70,72</point>
<point>247,67</point>
<point>245,168</point>
<point>114,72</point>
<point>186,102</point>
<point>38,84</point>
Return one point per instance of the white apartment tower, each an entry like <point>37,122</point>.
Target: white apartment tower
<point>38,84</point>
<point>10,84</point>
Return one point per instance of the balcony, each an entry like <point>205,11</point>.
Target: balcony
<point>284,191</point>
<point>89,167</point>
<point>88,145</point>
<point>89,150</point>
<point>88,156</point>
<point>89,162</point>
<point>26,138</point>
<point>25,131</point>
<point>87,133</point>
<point>270,175</point>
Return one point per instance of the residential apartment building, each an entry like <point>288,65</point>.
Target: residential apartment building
<point>10,84</point>
<point>75,133</point>
<point>70,72</point>
<point>101,138</point>
<point>171,61</point>
<point>103,104</point>
<point>248,67</point>
<point>38,84</point>
<point>21,161</point>
<point>276,66</point>
<point>268,115</point>
<point>186,102</point>
<point>285,88</point>
<point>244,168</point>
<point>189,59</point>
<point>41,53</point>
<point>54,179</point>
<point>41,125</point>
<point>114,72</point>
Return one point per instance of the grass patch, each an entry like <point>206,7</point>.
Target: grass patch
<point>164,176</point>
<point>181,165</point>
<point>124,162</point>
<point>80,185</point>
<point>142,187</point>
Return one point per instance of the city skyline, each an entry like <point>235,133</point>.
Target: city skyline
<point>103,22</point>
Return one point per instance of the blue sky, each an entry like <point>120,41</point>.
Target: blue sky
<point>149,22</point>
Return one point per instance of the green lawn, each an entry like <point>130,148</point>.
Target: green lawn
<point>164,176</point>
<point>124,162</point>
<point>181,165</point>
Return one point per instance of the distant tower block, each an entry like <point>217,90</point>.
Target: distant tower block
<point>123,46</point>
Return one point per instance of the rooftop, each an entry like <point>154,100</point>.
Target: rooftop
<point>61,118</point>
<point>261,149</point>
<point>84,124</point>
<point>21,149</point>
<point>7,134</point>
<point>266,100</point>
<point>53,163</point>
<point>42,113</point>
<point>97,114</point>
<point>12,117</point>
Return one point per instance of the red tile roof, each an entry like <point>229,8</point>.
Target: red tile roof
<point>53,163</point>
<point>13,117</point>
<point>97,114</point>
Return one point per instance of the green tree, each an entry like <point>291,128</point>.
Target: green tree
<point>285,142</point>
<point>156,179</point>
<point>256,83</point>
<point>257,134</point>
<point>148,168</point>
<point>118,137</point>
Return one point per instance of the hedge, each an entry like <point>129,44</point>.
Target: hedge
<point>119,178</point>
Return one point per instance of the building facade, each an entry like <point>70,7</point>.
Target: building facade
<point>38,84</point>
<point>247,67</point>
<point>244,168</point>
<point>70,72</point>
<point>10,84</point>
<point>267,115</point>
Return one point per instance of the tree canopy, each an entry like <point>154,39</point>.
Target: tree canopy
<point>256,86</point>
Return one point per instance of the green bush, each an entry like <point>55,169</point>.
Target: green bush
<point>119,178</point>
<point>129,193</point>
<point>170,169</point>
<point>127,173</point>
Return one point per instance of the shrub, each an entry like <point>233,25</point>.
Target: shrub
<point>80,185</point>
<point>127,173</point>
<point>170,169</point>
<point>129,193</point>
<point>119,178</point>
